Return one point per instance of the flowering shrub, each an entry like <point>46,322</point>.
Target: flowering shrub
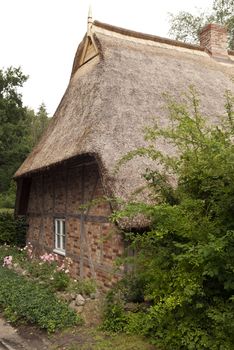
<point>49,269</point>
<point>29,250</point>
<point>66,265</point>
<point>49,257</point>
<point>7,261</point>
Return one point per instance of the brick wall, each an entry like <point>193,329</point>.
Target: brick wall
<point>92,242</point>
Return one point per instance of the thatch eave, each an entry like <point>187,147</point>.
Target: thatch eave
<point>78,159</point>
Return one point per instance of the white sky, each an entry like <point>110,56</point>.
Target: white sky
<point>42,36</point>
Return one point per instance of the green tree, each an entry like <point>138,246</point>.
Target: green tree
<point>14,128</point>
<point>40,122</point>
<point>186,26</point>
<point>20,130</point>
<point>184,266</point>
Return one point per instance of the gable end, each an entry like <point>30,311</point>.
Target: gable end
<point>87,50</point>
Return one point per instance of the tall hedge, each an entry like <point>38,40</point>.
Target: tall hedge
<point>12,230</point>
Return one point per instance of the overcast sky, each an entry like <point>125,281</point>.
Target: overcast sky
<point>42,36</point>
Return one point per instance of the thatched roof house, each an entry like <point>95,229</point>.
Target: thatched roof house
<point>115,90</point>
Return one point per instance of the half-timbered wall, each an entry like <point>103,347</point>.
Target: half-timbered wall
<point>92,242</point>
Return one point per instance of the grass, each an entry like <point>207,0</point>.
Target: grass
<point>93,339</point>
<point>121,342</point>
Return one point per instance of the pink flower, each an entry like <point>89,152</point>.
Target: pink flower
<point>56,257</point>
<point>48,257</point>
<point>7,261</point>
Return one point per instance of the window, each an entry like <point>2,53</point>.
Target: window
<point>60,235</point>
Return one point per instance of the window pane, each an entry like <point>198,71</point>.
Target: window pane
<point>59,234</point>
<point>63,230</point>
<point>63,242</point>
<point>58,226</point>
<point>58,241</point>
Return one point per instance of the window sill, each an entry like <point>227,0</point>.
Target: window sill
<point>60,252</point>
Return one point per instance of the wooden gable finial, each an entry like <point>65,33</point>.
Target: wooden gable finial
<point>89,49</point>
<point>90,21</point>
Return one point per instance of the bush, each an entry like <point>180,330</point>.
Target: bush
<point>115,318</point>
<point>22,299</point>
<point>50,273</point>
<point>186,258</point>
<point>18,254</point>
<point>7,199</point>
<point>12,231</point>
<point>60,281</point>
<point>82,286</point>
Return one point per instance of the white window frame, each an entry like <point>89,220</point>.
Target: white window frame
<point>59,236</point>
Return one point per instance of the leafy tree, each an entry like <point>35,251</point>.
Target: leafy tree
<point>40,122</point>
<point>20,130</point>
<point>186,26</point>
<point>184,266</point>
<point>14,128</point>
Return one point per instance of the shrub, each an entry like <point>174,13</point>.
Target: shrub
<point>12,231</point>
<point>115,318</point>
<point>7,199</point>
<point>18,254</point>
<point>48,270</point>
<point>186,258</point>
<point>82,286</point>
<point>22,299</point>
<point>60,281</point>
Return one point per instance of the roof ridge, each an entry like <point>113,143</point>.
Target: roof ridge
<point>144,36</point>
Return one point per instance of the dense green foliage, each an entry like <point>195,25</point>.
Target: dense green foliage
<point>22,299</point>
<point>20,129</point>
<point>114,316</point>
<point>184,265</point>
<point>13,125</point>
<point>12,231</point>
<point>186,26</point>
<point>39,123</point>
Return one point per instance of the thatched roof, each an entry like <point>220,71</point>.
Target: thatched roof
<point>115,90</point>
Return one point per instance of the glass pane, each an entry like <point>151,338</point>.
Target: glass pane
<point>58,226</point>
<point>60,234</point>
<point>63,242</point>
<point>58,241</point>
<point>63,231</point>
